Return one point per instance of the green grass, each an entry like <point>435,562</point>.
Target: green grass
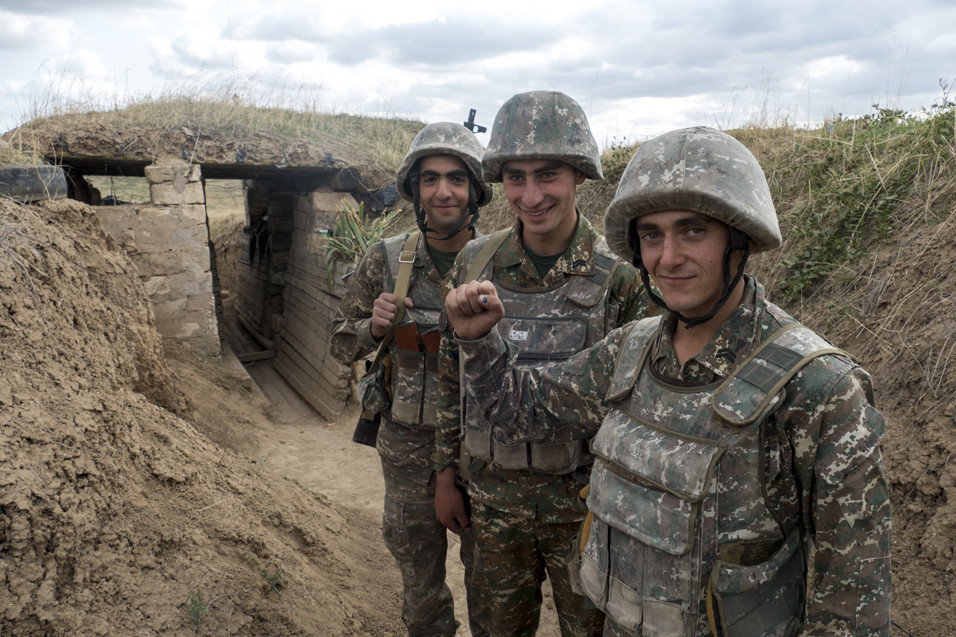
<point>852,184</point>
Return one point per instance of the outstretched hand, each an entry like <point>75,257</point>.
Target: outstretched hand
<point>474,309</point>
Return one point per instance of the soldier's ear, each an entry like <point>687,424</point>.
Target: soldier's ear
<point>738,240</point>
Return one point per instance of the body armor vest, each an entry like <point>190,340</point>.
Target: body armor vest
<point>414,376</point>
<point>547,325</point>
<point>682,542</point>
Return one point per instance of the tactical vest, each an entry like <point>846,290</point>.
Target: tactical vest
<point>414,350</point>
<point>682,542</point>
<point>546,325</point>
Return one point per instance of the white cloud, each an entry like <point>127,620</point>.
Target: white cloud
<point>32,32</point>
<point>637,67</point>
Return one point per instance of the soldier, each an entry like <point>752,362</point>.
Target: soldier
<point>565,291</point>
<point>441,176</point>
<point>739,451</point>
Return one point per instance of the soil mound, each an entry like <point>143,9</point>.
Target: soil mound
<point>118,516</point>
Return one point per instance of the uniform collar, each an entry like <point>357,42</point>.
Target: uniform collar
<point>578,258</point>
<point>725,351</point>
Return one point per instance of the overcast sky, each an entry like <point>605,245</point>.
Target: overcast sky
<point>638,67</point>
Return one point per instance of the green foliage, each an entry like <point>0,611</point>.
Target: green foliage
<point>853,183</point>
<point>273,574</point>
<point>273,577</point>
<point>354,233</point>
<point>594,196</point>
<point>195,606</point>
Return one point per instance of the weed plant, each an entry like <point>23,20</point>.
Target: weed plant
<point>13,155</point>
<point>195,606</point>
<point>355,233</point>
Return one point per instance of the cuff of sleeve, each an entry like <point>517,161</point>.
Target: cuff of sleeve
<point>442,459</point>
<point>367,339</point>
<point>487,348</point>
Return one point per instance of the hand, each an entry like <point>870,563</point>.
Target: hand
<point>449,502</point>
<point>383,313</point>
<point>474,309</point>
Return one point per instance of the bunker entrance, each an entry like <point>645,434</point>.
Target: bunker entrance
<point>266,294</point>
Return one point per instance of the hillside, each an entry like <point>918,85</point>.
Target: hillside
<point>128,501</point>
<point>130,506</point>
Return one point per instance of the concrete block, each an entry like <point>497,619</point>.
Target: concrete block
<point>330,201</point>
<point>193,193</point>
<point>194,212</point>
<point>156,285</point>
<point>167,169</point>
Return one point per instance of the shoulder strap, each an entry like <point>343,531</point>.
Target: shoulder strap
<point>485,254</point>
<point>405,262</point>
<point>588,291</point>
<point>756,384</point>
<point>630,359</point>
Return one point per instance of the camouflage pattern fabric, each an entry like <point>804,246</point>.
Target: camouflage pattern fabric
<point>412,533</point>
<point>827,426</point>
<point>551,324</point>
<point>530,500</point>
<point>418,542</point>
<point>542,125</point>
<point>698,169</point>
<point>514,553</point>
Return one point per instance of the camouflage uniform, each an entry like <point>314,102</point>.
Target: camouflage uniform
<point>712,486</point>
<point>406,436</point>
<point>525,520</point>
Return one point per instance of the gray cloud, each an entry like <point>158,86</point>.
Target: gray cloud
<point>46,7</point>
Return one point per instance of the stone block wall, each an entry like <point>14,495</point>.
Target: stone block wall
<point>168,241</point>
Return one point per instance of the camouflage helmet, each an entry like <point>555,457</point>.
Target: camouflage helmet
<point>542,125</point>
<point>697,169</point>
<point>445,138</point>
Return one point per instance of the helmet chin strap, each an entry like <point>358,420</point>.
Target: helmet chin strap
<point>738,241</point>
<point>467,220</point>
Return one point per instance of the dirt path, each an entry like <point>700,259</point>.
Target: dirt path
<point>320,455</point>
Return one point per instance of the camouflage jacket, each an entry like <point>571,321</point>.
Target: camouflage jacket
<point>402,443</point>
<point>833,439</point>
<point>527,494</point>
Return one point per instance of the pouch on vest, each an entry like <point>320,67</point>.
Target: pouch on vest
<point>762,599</point>
<point>653,492</point>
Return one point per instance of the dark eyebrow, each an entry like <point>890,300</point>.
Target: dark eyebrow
<point>458,172</point>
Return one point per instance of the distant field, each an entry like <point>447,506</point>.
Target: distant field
<point>223,196</point>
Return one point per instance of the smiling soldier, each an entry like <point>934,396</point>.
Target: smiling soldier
<point>565,290</point>
<point>441,176</point>
<point>737,451</point>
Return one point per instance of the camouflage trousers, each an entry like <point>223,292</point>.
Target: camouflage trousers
<point>513,556</point>
<point>417,540</point>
